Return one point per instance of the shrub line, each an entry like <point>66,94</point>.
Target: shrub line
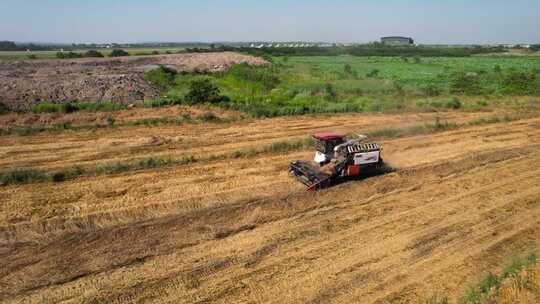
<point>31,175</point>
<point>204,117</point>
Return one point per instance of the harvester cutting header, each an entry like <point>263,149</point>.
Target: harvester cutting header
<point>336,157</point>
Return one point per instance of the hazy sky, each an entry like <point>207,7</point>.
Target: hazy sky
<point>428,21</point>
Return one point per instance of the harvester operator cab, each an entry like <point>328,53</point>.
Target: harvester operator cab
<point>324,145</point>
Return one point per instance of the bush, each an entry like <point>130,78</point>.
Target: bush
<point>104,106</point>
<point>47,107</point>
<point>208,116</point>
<point>31,57</point>
<point>69,55</point>
<point>118,53</point>
<point>453,103</point>
<point>22,176</point>
<point>432,90</point>
<point>110,121</point>
<point>437,125</point>
<point>93,54</point>
<point>62,126</point>
<point>330,91</point>
<point>3,108</point>
<point>373,73</point>
<point>69,108</point>
<point>162,77</point>
<point>465,83</point>
<point>262,75</point>
<point>347,69</point>
<point>520,83</point>
<point>203,90</point>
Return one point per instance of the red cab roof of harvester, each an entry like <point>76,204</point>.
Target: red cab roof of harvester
<point>328,135</point>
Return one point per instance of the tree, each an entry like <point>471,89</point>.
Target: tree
<point>203,90</point>
<point>8,46</point>
<point>534,47</point>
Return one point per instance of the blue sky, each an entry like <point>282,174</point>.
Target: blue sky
<point>435,21</point>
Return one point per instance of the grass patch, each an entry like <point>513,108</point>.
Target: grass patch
<point>111,122</point>
<point>208,117</point>
<point>48,107</point>
<point>490,120</point>
<point>437,300</point>
<point>27,176</point>
<point>478,292</point>
<point>23,176</point>
<point>162,77</point>
<point>436,126</point>
<point>275,147</point>
<point>323,84</point>
<point>145,163</point>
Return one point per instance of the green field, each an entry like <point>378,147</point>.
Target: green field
<point>299,85</point>
<point>22,55</point>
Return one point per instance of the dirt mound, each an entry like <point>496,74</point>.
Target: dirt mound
<point>24,83</point>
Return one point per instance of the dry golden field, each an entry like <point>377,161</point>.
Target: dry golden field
<point>241,230</point>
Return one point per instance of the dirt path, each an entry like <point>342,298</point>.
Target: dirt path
<point>242,231</point>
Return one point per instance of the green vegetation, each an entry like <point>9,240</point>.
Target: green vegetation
<point>118,53</point>
<point>26,176</point>
<point>23,176</point>
<point>534,47</point>
<point>104,106</point>
<point>489,120</point>
<point>372,49</point>
<point>311,84</point>
<point>417,129</point>
<point>295,85</point>
<point>202,90</point>
<point>437,300</point>
<point>68,55</point>
<point>71,55</point>
<point>111,122</point>
<point>476,293</point>
<point>93,53</point>
<point>162,77</point>
<point>21,54</point>
<point>4,108</point>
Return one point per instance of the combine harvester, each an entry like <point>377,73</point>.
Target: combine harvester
<point>337,158</point>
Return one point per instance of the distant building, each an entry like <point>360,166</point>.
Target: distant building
<point>397,40</point>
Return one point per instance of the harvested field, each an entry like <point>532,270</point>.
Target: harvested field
<point>120,79</point>
<point>240,230</point>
